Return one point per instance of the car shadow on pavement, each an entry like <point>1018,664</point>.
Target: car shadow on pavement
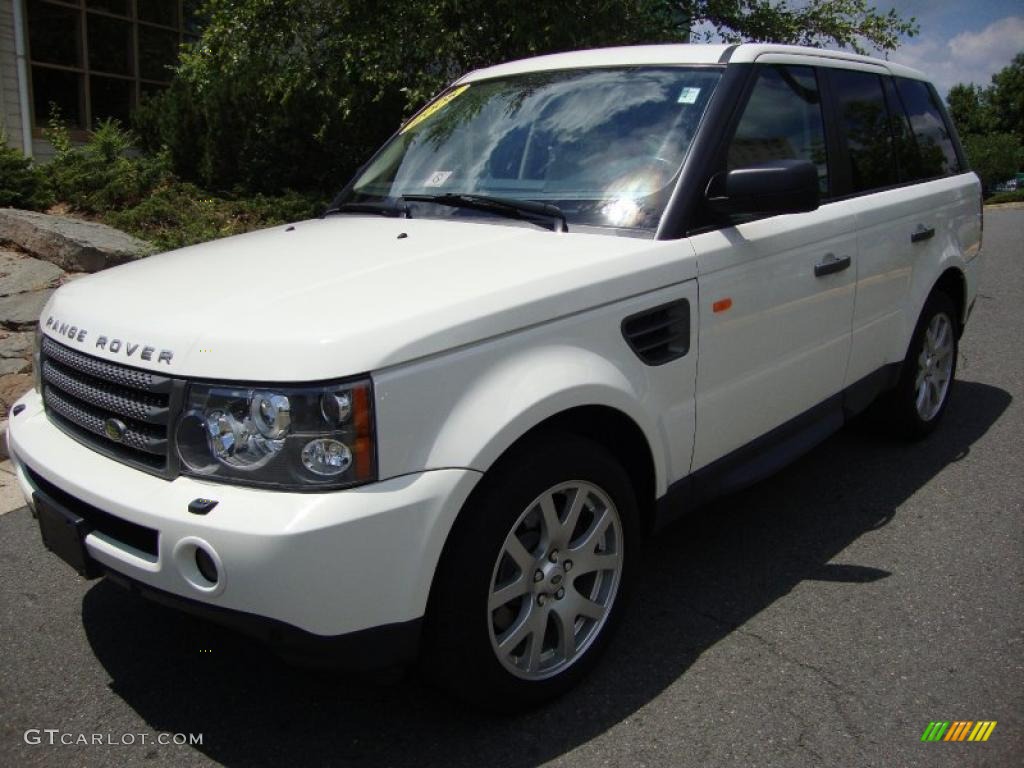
<point>699,581</point>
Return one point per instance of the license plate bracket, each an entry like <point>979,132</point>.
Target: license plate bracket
<point>64,534</point>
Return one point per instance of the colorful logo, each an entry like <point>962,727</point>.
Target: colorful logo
<point>958,730</point>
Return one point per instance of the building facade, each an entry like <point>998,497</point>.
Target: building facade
<point>86,59</point>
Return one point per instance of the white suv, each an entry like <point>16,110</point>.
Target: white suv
<point>570,299</point>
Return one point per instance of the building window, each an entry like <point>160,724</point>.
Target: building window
<point>94,59</point>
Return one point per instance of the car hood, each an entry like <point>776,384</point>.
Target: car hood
<point>348,294</point>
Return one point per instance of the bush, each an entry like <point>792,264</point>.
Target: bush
<point>1017,196</point>
<point>995,157</point>
<point>22,183</point>
<point>179,214</point>
<point>109,178</point>
<point>107,172</point>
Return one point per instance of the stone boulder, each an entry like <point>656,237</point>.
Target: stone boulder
<point>13,386</point>
<point>16,344</point>
<point>20,273</point>
<point>21,311</point>
<point>71,244</point>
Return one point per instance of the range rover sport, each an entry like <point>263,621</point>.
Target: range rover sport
<point>571,298</point>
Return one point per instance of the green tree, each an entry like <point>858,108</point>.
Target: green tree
<point>970,109</point>
<point>1006,95</point>
<point>991,123</point>
<point>819,23</point>
<point>995,157</point>
<point>998,107</point>
<point>295,93</point>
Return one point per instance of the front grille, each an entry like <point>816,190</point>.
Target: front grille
<point>82,393</point>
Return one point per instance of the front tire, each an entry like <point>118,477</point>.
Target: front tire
<point>532,582</point>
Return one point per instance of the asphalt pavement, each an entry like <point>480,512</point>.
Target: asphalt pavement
<point>821,618</point>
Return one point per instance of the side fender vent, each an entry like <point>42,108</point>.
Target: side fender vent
<point>659,335</point>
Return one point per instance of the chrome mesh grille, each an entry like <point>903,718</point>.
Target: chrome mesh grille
<point>101,369</point>
<point>82,394</point>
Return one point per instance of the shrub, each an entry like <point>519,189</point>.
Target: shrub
<point>111,179</point>
<point>107,172</point>
<point>1016,196</point>
<point>995,157</point>
<point>22,183</point>
<point>179,214</point>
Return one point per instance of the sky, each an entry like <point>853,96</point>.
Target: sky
<point>960,41</point>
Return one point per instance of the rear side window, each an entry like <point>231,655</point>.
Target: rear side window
<point>782,121</point>
<point>934,144</point>
<point>864,121</point>
<point>908,158</point>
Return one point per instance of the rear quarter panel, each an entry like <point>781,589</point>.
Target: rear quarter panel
<point>896,276</point>
<point>956,205</point>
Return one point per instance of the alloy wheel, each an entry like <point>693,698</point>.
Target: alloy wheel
<point>934,367</point>
<point>555,580</point>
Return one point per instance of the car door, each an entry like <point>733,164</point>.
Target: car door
<point>776,294</point>
<point>897,152</point>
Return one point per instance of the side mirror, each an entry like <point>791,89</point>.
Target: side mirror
<point>779,186</point>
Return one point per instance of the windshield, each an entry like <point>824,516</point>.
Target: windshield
<point>602,145</point>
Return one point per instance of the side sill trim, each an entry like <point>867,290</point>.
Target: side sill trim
<point>767,454</point>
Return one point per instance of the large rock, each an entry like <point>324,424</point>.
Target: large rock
<point>16,344</point>
<point>72,244</point>
<point>13,386</point>
<point>14,365</point>
<point>22,310</point>
<point>19,273</point>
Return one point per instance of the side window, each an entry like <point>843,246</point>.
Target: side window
<point>864,120</point>
<point>938,156</point>
<point>782,121</point>
<point>908,158</point>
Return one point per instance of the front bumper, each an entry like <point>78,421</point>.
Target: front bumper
<point>325,564</point>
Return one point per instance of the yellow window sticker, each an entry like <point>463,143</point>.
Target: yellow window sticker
<point>433,107</point>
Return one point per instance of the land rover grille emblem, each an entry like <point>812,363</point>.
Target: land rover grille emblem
<point>115,429</point>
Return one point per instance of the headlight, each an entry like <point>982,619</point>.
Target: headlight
<point>290,438</point>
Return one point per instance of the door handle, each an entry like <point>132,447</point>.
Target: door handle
<point>831,264</point>
<point>922,233</point>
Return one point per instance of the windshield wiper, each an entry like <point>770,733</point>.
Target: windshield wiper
<point>526,210</point>
<point>383,208</point>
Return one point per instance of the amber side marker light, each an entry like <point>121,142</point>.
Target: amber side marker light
<point>721,305</point>
<point>362,448</point>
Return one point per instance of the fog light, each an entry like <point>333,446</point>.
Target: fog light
<point>325,456</point>
<point>206,566</point>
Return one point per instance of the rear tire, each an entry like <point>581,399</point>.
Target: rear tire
<point>919,401</point>
<point>532,582</point>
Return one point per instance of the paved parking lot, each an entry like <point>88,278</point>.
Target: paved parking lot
<point>823,617</point>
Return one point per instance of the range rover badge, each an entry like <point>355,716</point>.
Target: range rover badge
<point>115,429</point>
